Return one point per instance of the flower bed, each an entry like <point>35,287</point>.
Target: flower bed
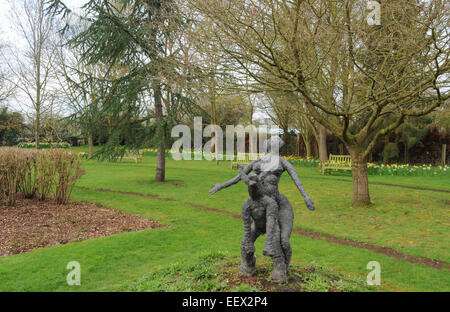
<point>406,170</point>
<point>303,161</point>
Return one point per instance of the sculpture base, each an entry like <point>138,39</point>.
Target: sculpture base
<point>279,273</point>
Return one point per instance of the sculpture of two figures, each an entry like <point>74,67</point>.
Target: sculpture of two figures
<point>267,211</point>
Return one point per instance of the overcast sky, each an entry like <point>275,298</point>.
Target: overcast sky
<point>10,37</point>
<point>6,30</point>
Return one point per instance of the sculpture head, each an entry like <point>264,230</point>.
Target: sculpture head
<point>274,144</point>
<point>253,179</point>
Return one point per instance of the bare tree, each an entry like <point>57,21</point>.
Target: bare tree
<point>73,73</point>
<point>206,78</point>
<point>6,88</point>
<point>309,129</point>
<point>358,80</point>
<point>33,66</point>
<point>281,110</point>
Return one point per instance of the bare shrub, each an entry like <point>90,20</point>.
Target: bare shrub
<point>12,162</point>
<point>67,172</point>
<point>45,174</point>
<point>28,182</point>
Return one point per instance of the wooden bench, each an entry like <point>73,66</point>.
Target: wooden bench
<point>337,162</point>
<point>137,157</point>
<point>245,162</point>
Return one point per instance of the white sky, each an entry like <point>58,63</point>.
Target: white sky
<point>6,30</point>
<point>10,37</point>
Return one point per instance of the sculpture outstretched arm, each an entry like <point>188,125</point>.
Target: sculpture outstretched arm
<point>236,179</point>
<point>294,176</point>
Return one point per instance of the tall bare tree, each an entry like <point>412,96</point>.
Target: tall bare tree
<point>73,73</point>
<point>309,129</point>
<point>33,66</point>
<point>281,111</point>
<point>6,88</point>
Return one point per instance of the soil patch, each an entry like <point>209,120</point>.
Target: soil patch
<point>33,224</point>
<point>298,279</point>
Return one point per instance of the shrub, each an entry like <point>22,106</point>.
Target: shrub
<point>27,184</point>
<point>68,171</point>
<point>45,173</point>
<point>11,168</point>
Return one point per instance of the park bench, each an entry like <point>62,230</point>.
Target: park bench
<point>245,162</point>
<point>337,162</point>
<point>136,156</point>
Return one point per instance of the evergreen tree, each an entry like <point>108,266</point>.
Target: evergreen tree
<point>129,38</point>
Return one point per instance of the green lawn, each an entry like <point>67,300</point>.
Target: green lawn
<point>414,222</point>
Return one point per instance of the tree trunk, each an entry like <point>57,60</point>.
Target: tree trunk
<point>161,165</point>
<point>214,149</point>
<point>38,101</point>
<point>386,142</point>
<point>37,125</point>
<point>406,153</point>
<point>297,145</point>
<point>308,146</point>
<point>323,152</point>
<point>285,138</point>
<point>360,180</point>
<point>252,149</point>
<point>91,146</point>
<point>212,95</point>
<point>161,162</point>
<point>315,148</point>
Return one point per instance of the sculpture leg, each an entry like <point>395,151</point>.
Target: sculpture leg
<point>279,260</point>
<point>248,252</point>
<point>271,221</point>
<point>269,243</point>
<point>286,220</point>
